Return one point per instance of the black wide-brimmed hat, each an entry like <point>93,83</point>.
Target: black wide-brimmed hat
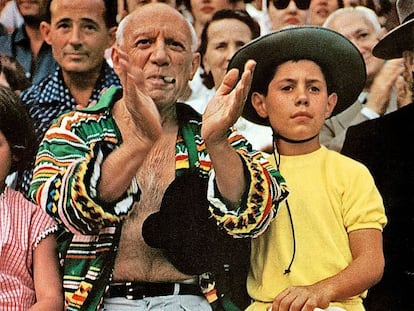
<point>401,38</point>
<point>336,55</point>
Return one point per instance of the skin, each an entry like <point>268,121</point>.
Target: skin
<point>133,4</point>
<point>320,9</point>
<point>381,75</point>
<point>79,37</point>
<point>285,17</point>
<point>46,275</point>
<point>297,104</point>
<point>157,43</point>
<point>222,45</point>
<point>47,280</point>
<point>203,10</point>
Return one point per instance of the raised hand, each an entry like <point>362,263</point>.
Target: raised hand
<point>226,106</point>
<point>143,112</point>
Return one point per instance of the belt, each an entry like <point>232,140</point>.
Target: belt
<point>140,290</point>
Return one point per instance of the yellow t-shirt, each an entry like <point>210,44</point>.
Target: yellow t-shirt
<point>330,196</point>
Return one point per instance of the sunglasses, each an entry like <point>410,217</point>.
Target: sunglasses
<point>283,4</point>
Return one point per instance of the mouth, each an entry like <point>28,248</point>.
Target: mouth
<point>301,115</point>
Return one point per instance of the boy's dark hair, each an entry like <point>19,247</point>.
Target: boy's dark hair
<point>17,127</point>
<point>267,77</point>
<point>240,15</point>
<point>111,10</point>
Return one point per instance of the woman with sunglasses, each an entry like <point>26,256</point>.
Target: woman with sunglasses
<point>283,13</point>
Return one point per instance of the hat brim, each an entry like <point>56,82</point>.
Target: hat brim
<point>329,49</point>
<point>395,42</point>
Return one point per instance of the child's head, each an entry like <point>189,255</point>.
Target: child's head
<point>340,65</point>
<point>17,128</point>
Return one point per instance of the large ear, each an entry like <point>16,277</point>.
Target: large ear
<point>111,34</point>
<point>259,104</point>
<point>195,64</point>
<point>45,32</point>
<point>332,100</point>
<point>115,60</point>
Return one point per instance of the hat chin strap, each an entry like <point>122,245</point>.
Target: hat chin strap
<point>292,141</point>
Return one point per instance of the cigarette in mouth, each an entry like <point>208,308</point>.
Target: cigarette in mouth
<point>169,79</point>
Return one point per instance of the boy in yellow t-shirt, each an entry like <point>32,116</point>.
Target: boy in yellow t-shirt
<point>324,249</point>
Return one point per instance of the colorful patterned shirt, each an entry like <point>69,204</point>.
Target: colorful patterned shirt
<point>51,98</point>
<point>23,225</point>
<point>65,183</point>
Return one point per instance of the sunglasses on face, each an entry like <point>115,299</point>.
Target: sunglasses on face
<point>283,4</point>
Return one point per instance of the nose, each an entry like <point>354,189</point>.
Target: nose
<point>301,96</point>
<point>292,6</point>
<point>75,38</point>
<point>160,55</point>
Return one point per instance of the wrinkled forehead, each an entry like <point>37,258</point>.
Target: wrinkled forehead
<point>157,18</point>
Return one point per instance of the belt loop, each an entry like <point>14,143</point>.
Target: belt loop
<point>176,289</point>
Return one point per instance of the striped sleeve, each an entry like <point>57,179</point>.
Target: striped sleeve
<point>266,190</point>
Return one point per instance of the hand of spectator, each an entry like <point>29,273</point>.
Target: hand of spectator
<point>381,87</point>
<point>144,116</point>
<point>404,92</point>
<point>226,106</point>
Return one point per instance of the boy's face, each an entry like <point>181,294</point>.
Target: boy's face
<point>297,102</point>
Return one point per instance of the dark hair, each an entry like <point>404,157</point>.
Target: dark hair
<point>240,15</point>
<point>262,86</point>
<point>17,127</point>
<point>14,73</point>
<point>111,10</point>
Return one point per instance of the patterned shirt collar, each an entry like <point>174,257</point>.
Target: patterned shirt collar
<point>55,89</point>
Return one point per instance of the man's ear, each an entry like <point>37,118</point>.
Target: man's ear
<point>115,60</point>
<point>111,34</point>
<point>332,100</point>
<point>45,32</point>
<point>195,64</point>
<point>259,104</point>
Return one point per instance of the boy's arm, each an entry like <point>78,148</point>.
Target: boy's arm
<point>363,272</point>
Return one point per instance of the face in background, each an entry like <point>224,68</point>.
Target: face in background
<point>222,45</point>
<point>361,32</point>
<point>159,41</point>
<point>203,10</point>
<point>32,11</point>
<point>78,34</point>
<point>133,4</point>
<point>297,102</point>
<point>291,15</point>
<point>319,10</point>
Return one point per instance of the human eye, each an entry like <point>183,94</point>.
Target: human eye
<point>90,27</point>
<point>143,43</point>
<point>314,89</point>
<point>63,25</point>
<point>286,88</point>
<point>175,45</point>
